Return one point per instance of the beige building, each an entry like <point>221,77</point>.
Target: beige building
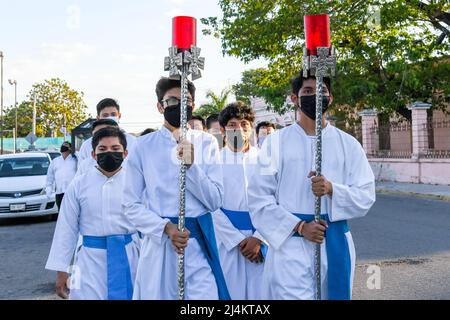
<point>262,113</point>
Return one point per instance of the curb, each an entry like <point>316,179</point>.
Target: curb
<point>415,194</point>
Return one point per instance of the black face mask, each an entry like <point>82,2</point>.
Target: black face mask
<point>64,149</point>
<point>172,115</point>
<point>308,105</point>
<point>110,161</point>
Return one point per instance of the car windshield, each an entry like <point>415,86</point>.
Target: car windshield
<point>23,167</point>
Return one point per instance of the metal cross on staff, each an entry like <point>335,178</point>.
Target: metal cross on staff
<point>321,65</point>
<point>183,60</point>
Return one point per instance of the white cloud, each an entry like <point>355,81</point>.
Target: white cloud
<point>67,53</point>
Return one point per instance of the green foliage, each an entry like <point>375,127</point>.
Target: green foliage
<point>390,52</point>
<point>57,105</point>
<point>215,104</point>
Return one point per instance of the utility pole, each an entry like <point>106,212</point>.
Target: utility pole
<point>14,83</point>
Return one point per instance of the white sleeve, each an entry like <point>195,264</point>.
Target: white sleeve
<point>225,230</point>
<point>83,167</point>
<point>146,221</point>
<point>207,184</point>
<point>50,181</point>
<point>259,236</point>
<point>84,153</point>
<point>271,220</point>
<point>66,232</point>
<point>354,198</point>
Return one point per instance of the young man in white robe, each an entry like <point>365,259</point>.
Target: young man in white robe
<point>154,168</point>
<point>106,109</point>
<point>106,263</point>
<point>239,243</point>
<point>282,202</point>
<point>61,172</point>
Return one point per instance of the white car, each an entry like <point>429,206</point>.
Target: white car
<point>22,186</point>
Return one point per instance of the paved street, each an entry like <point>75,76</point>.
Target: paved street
<point>408,238</point>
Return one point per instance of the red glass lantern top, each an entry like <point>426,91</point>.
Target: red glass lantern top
<point>317,32</point>
<point>184,32</point>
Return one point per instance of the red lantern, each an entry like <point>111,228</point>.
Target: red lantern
<point>184,32</point>
<point>317,32</point>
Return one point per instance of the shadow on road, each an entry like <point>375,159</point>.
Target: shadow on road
<point>25,220</point>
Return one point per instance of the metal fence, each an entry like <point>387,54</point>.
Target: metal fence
<point>438,139</point>
<point>394,140</point>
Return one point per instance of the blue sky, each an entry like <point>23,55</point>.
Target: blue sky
<point>106,49</point>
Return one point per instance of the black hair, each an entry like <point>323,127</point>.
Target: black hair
<point>165,84</point>
<point>105,103</point>
<point>147,131</point>
<point>100,122</point>
<point>212,118</point>
<point>238,110</point>
<point>264,124</point>
<point>109,132</point>
<point>199,118</point>
<point>297,82</point>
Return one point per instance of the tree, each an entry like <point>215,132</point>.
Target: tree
<point>57,106</point>
<point>215,104</point>
<point>254,84</point>
<point>391,52</point>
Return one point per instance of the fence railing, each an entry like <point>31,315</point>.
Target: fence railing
<point>391,154</point>
<point>394,140</point>
<point>40,144</point>
<point>438,139</point>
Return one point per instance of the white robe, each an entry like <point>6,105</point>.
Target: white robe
<point>280,187</point>
<point>243,277</point>
<point>154,169</point>
<point>60,173</point>
<point>85,165</point>
<point>92,206</point>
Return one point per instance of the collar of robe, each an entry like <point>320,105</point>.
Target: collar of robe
<point>166,133</point>
<point>97,170</point>
<point>303,132</point>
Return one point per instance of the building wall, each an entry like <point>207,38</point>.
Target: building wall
<point>429,171</point>
<point>262,114</point>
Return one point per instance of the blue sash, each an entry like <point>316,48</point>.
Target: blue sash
<point>120,286</point>
<point>338,255</point>
<point>241,220</point>
<point>202,229</point>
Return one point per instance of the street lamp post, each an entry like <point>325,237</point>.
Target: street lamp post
<point>1,102</point>
<point>14,83</point>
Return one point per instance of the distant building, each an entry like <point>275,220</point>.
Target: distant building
<point>263,113</point>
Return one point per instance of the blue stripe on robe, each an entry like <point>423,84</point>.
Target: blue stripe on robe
<point>120,286</point>
<point>202,229</point>
<point>241,220</point>
<point>338,256</point>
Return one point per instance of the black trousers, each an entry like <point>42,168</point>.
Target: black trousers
<point>58,199</point>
